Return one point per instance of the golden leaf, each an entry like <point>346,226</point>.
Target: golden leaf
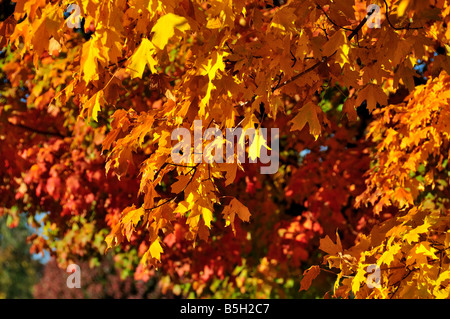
<point>307,114</point>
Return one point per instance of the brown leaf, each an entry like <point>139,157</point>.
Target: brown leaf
<point>327,245</point>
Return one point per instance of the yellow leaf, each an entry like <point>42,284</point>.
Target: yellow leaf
<point>207,216</point>
<point>254,149</point>
<point>413,235</point>
<point>115,237</point>
<point>443,293</point>
<point>212,68</point>
<point>358,279</point>
<point>426,250</point>
<point>164,29</point>
<point>97,108</point>
<point>131,219</point>
<point>181,208</point>
<point>143,56</point>
<point>133,216</point>
<point>93,105</point>
<point>53,46</point>
<point>88,63</point>
<point>403,5</point>
<point>156,249</point>
<point>388,255</point>
<point>403,197</point>
<point>214,23</point>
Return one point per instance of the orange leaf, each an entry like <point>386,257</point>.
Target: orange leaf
<point>308,276</point>
<point>327,245</point>
<point>307,114</point>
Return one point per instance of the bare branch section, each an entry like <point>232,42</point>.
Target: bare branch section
<point>38,131</point>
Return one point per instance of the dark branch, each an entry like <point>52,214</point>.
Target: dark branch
<point>408,27</point>
<point>360,25</point>
<point>37,131</point>
<point>329,19</point>
<point>229,47</point>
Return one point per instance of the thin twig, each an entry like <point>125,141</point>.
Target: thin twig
<point>293,58</point>
<point>408,27</point>
<point>175,197</point>
<point>360,25</point>
<point>329,19</point>
<point>231,50</point>
<point>178,165</point>
<point>332,272</point>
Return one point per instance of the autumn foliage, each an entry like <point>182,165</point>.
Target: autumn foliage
<point>87,112</point>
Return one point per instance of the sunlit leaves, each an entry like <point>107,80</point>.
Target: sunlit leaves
<point>235,64</point>
<point>412,144</point>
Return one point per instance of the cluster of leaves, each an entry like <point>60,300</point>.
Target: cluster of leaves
<point>85,136</point>
<point>103,281</point>
<point>410,172</point>
<point>19,272</point>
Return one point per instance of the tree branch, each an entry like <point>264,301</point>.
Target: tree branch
<point>360,25</point>
<point>329,19</point>
<point>408,27</point>
<point>37,131</point>
<point>194,168</point>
